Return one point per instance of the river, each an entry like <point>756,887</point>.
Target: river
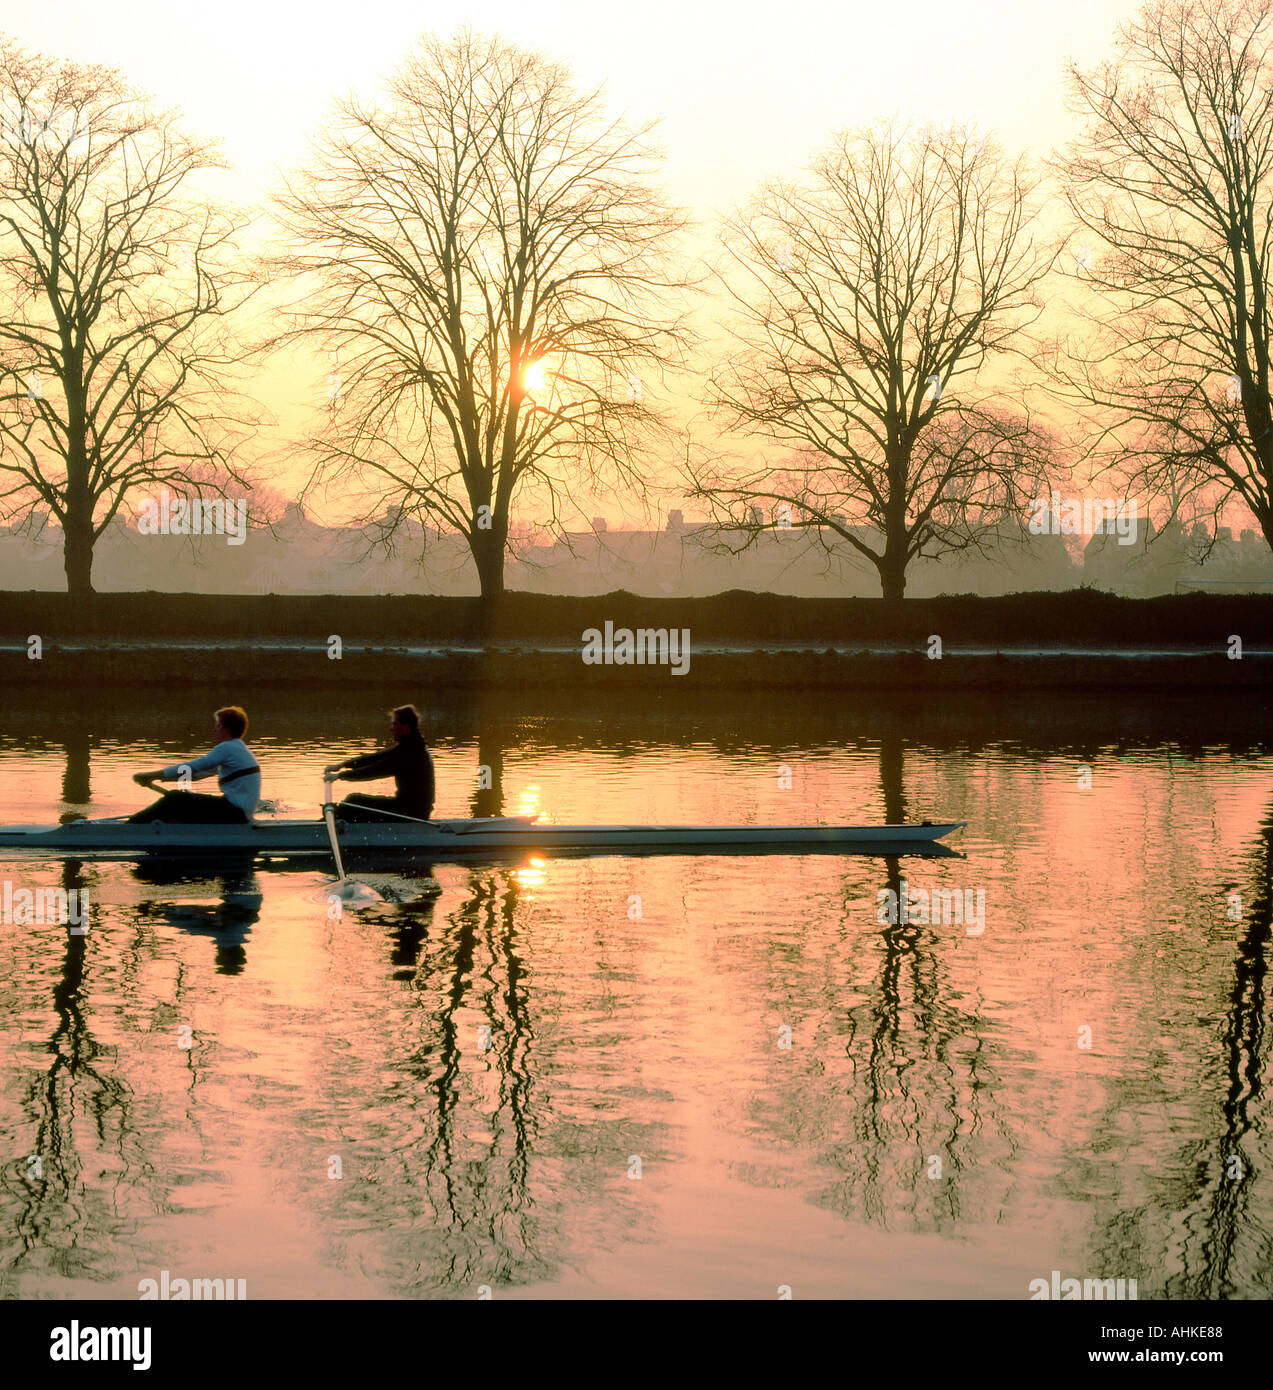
<point>659,1077</point>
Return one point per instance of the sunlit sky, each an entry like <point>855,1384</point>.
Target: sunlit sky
<point>742,91</point>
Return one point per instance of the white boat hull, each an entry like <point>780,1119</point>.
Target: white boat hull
<point>460,838</point>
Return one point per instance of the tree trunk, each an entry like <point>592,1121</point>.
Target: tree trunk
<point>892,564</point>
<point>1261,508</point>
<point>892,568</point>
<point>488,555</point>
<point>77,519</point>
<point>77,547</point>
<point>1264,515</point>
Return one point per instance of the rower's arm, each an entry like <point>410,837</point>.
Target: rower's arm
<point>371,766</point>
<point>197,768</point>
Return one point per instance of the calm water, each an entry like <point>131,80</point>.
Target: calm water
<point>669,1076</point>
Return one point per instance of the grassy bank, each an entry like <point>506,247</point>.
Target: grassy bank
<point>1080,618</point>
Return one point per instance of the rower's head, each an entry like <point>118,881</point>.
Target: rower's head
<point>232,722</point>
<point>405,720</point>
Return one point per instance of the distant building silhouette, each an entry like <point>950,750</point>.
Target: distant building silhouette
<point>297,555</point>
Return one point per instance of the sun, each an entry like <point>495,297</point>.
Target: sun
<point>534,377</point>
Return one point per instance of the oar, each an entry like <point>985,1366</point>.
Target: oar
<point>348,890</point>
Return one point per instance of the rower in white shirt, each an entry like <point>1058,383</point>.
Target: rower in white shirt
<point>238,775</point>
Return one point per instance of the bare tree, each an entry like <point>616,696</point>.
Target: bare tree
<point>107,382</point>
<point>486,256</point>
<point>1172,178</point>
<point>868,297</point>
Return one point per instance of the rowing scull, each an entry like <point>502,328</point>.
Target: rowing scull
<point>447,839</point>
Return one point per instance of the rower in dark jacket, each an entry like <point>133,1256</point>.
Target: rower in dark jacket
<point>408,762</point>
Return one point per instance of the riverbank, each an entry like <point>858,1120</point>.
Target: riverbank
<point>1081,639</point>
<point>1081,618</point>
<point>229,666</point>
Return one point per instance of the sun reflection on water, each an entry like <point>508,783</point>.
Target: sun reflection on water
<point>531,875</point>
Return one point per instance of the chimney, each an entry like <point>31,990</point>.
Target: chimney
<point>598,524</point>
<point>676,520</point>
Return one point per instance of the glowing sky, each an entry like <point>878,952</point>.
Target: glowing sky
<point>743,90</point>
